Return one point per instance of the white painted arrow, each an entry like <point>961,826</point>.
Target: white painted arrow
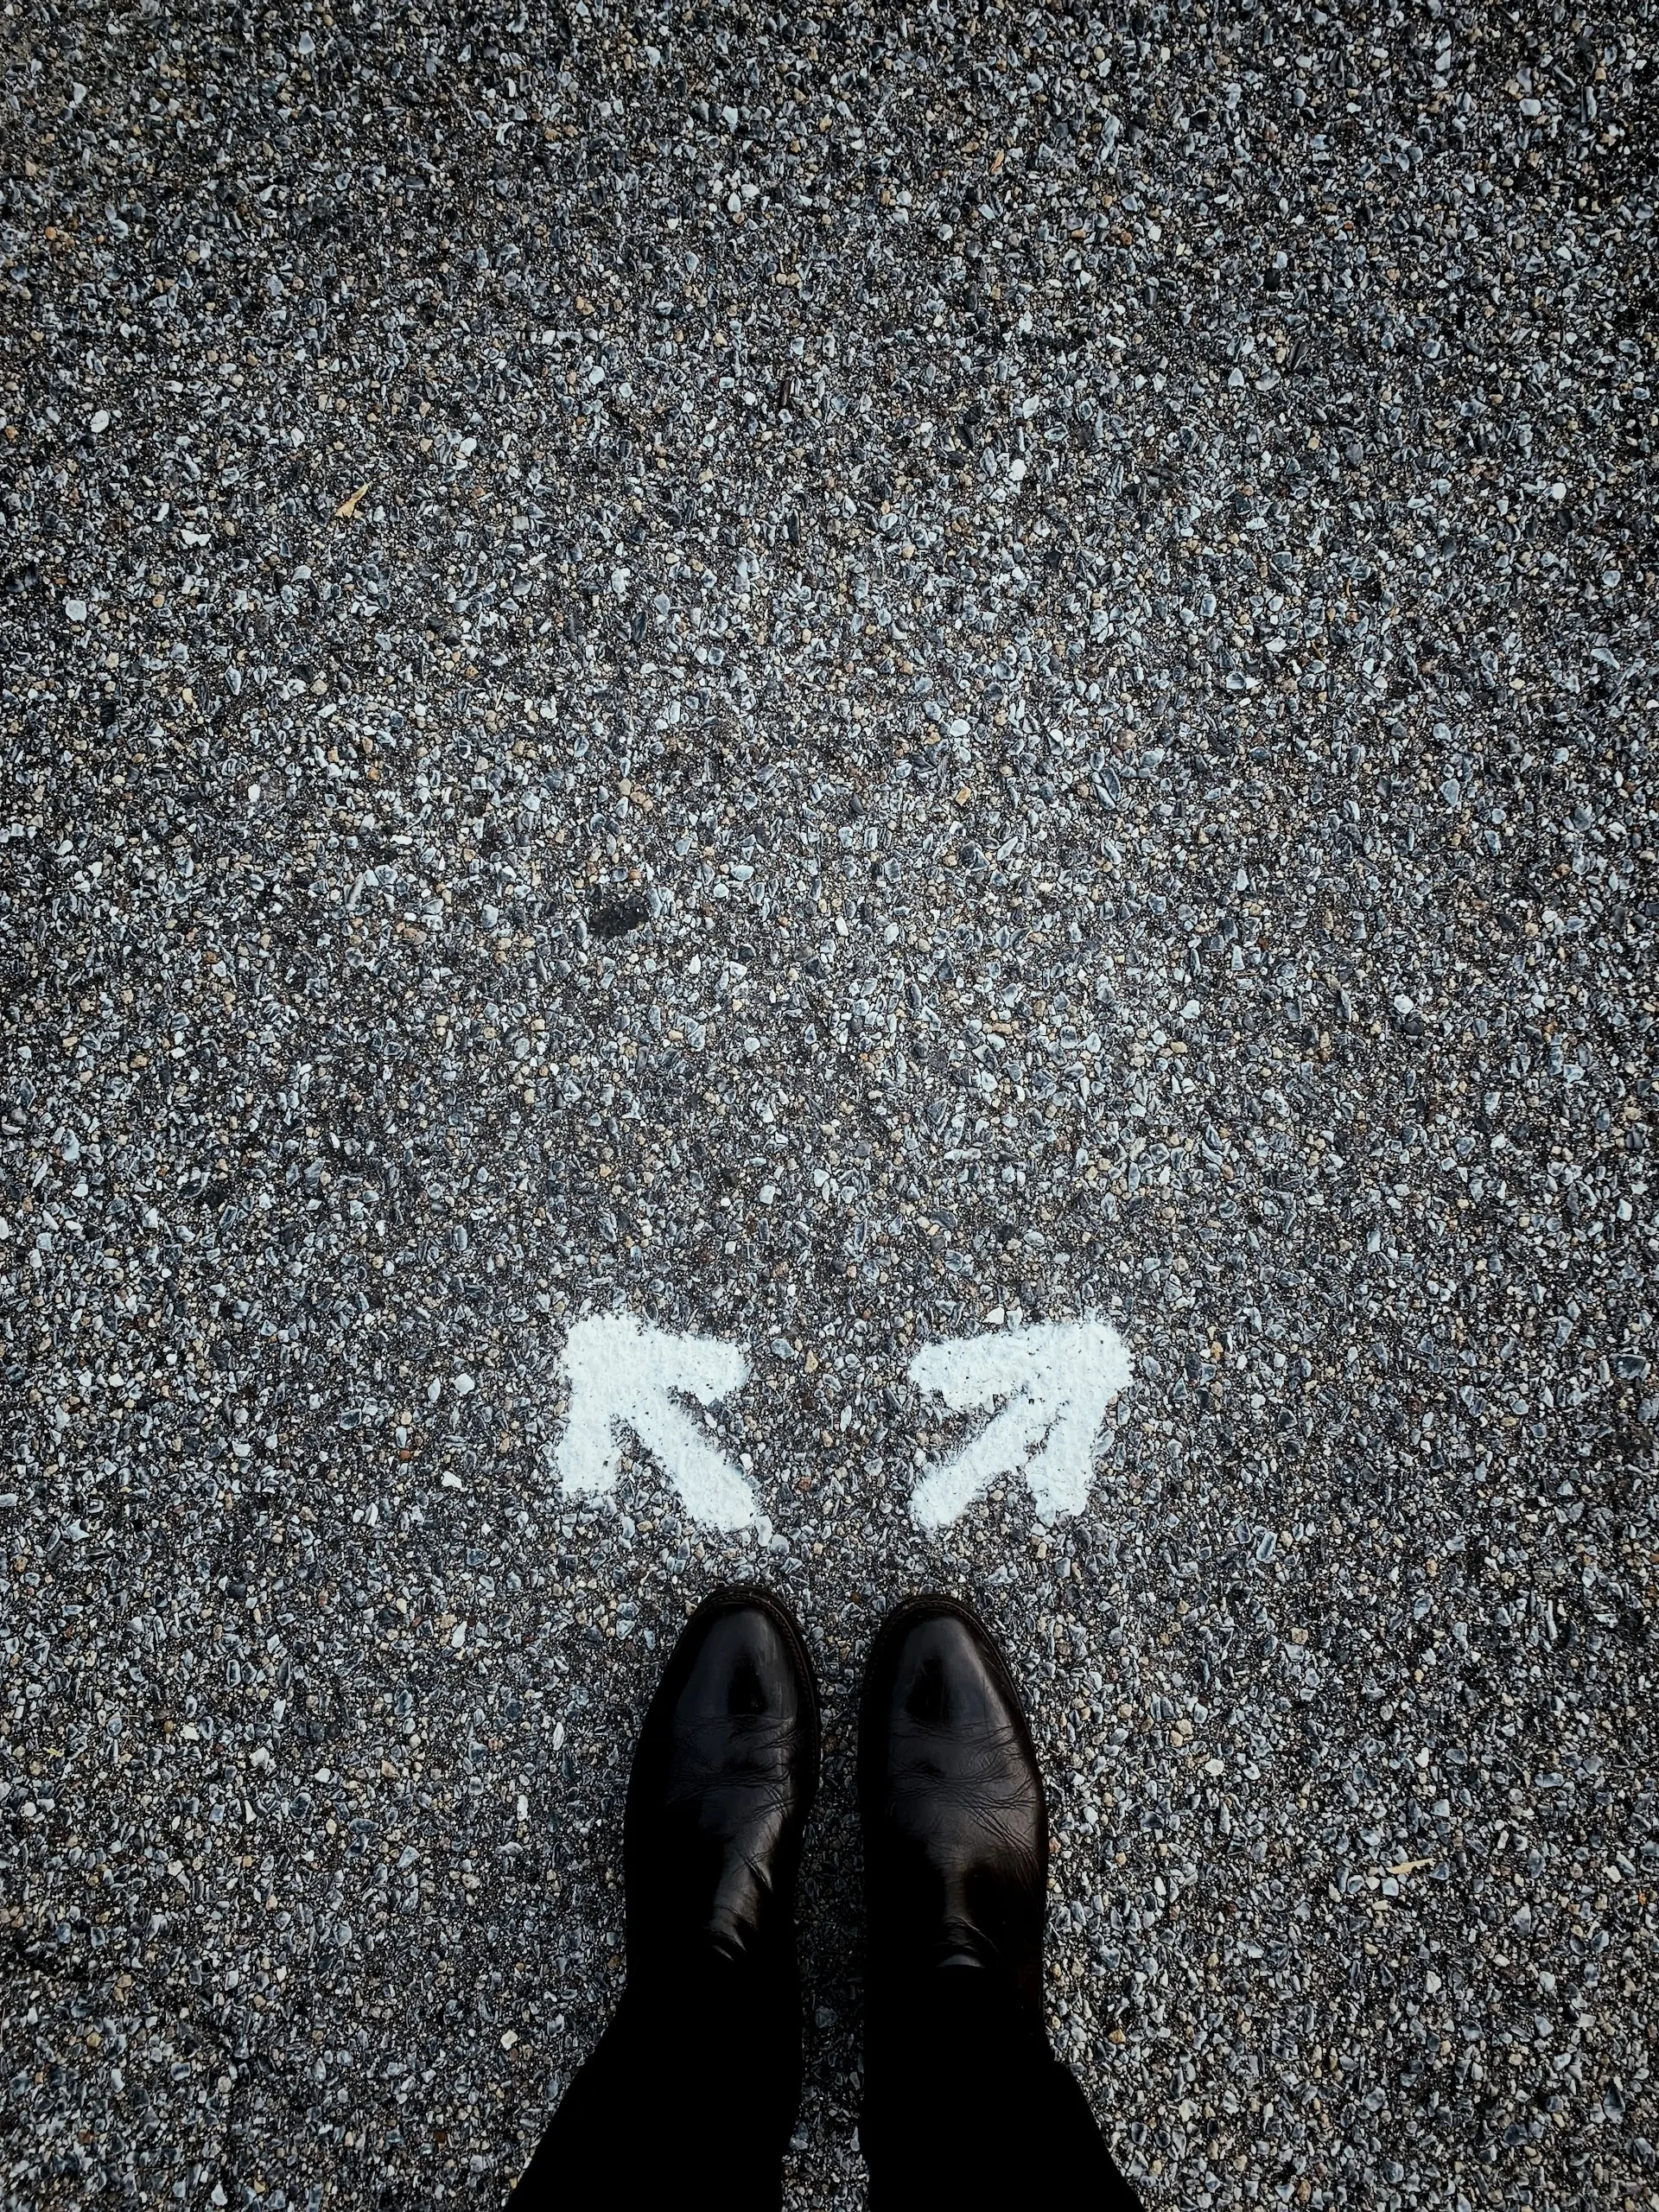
<point>625,1377</point>
<point>1057,1378</point>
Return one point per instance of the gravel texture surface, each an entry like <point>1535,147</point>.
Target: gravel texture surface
<point>837,681</point>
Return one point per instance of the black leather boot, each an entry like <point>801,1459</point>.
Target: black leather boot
<point>964,2105</point>
<point>724,1776</point>
<point>691,2097</point>
<point>956,1831</point>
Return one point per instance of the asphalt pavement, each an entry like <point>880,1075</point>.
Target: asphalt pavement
<point>839,682</point>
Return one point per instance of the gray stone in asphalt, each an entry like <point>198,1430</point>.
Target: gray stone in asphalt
<point>836,682</point>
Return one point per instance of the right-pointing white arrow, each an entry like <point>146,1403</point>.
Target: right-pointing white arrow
<point>622,1376</point>
<point>1056,1377</point>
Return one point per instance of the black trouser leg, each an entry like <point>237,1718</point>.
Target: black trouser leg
<point>689,2101</point>
<point>966,2109</point>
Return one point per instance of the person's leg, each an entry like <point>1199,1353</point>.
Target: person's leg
<point>965,2106</point>
<point>691,2095</point>
<point>688,2100</point>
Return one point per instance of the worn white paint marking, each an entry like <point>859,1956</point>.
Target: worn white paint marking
<point>1057,1379</point>
<point>627,1377</point>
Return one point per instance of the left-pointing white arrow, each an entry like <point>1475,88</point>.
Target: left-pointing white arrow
<point>627,1377</point>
